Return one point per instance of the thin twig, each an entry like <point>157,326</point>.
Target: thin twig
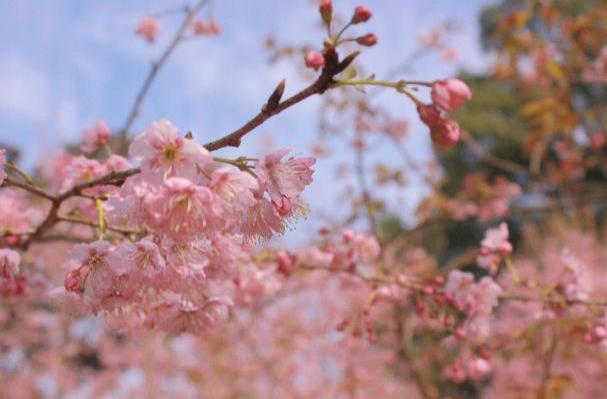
<point>155,68</point>
<point>332,67</point>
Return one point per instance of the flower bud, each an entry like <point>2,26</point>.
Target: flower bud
<point>450,94</point>
<point>446,134</point>
<point>368,40</point>
<point>430,114</point>
<point>361,14</point>
<point>314,59</point>
<point>326,11</point>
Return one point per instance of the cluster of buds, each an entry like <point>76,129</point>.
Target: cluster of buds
<point>315,59</point>
<point>202,28</point>
<point>447,96</point>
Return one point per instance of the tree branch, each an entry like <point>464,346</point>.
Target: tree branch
<point>272,107</point>
<point>154,69</point>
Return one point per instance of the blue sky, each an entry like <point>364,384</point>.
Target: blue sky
<point>66,63</point>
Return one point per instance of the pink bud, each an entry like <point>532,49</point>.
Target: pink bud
<point>446,134</point>
<point>314,59</point>
<point>326,11</point>
<point>430,114</point>
<point>361,14</point>
<point>450,94</point>
<point>368,40</point>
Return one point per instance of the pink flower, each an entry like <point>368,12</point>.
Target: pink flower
<point>368,40</point>
<point>178,315</point>
<point>314,59</point>
<point>316,257</point>
<point>262,220</point>
<point>361,14</point>
<point>97,266</point>
<point>445,134</point>
<point>182,209</point>
<point>95,137</point>
<point>479,368</point>
<point>116,163</point>
<point>254,283</point>
<point>450,94</point>
<point>16,216</point>
<point>458,286</point>
<point>476,299</point>
<point>148,28</point>
<point>236,189</point>
<point>494,247</point>
<point>2,162</point>
<point>80,170</point>
<point>143,262</point>
<point>486,295</point>
<point>163,153</point>
<point>284,178</point>
<point>387,293</point>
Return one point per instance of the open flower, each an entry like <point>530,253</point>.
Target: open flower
<point>163,153</point>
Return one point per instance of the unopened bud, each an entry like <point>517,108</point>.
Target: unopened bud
<point>326,11</point>
<point>361,14</point>
<point>368,40</point>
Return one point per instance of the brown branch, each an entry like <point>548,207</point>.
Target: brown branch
<point>272,107</point>
<point>112,178</point>
<point>8,182</point>
<point>89,223</point>
<point>154,69</point>
<point>52,217</point>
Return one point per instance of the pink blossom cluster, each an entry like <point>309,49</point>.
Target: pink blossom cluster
<point>447,96</point>
<point>95,137</point>
<point>195,219</point>
<point>315,59</point>
<point>16,215</point>
<point>494,248</point>
<point>472,298</point>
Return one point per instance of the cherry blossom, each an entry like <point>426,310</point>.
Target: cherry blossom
<point>494,247</point>
<point>95,137</point>
<point>163,153</point>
